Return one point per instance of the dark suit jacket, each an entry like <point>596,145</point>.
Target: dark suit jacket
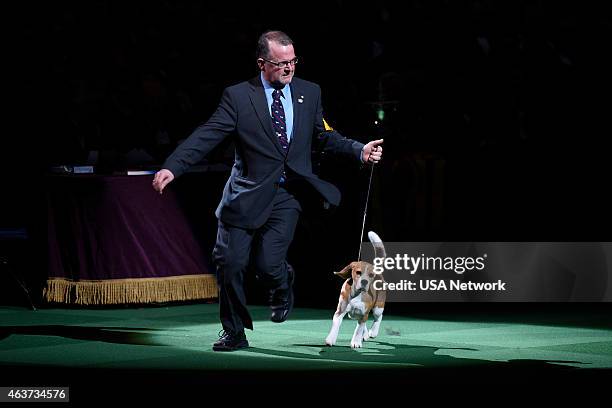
<point>259,158</point>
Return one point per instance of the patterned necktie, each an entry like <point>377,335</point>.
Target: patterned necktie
<point>279,123</point>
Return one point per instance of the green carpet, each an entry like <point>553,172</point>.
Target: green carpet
<point>180,338</point>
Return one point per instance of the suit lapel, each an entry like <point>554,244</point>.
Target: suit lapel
<point>296,97</point>
<point>260,103</point>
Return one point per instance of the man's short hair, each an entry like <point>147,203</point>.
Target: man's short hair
<point>263,44</point>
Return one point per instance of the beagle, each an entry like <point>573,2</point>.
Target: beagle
<point>358,297</point>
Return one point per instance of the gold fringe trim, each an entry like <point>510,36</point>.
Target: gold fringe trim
<point>122,291</point>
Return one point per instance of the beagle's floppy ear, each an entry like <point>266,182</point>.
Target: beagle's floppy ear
<point>346,272</point>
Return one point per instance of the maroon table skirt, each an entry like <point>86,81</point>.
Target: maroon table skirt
<point>114,240</point>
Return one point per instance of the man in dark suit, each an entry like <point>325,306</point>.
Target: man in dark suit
<point>274,118</point>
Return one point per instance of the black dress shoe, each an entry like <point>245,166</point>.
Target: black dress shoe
<point>282,300</point>
<point>230,341</point>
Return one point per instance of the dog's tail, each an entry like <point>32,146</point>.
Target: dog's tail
<point>379,247</point>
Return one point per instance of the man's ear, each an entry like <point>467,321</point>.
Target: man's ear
<point>346,272</point>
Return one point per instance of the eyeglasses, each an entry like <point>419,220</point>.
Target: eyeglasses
<point>283,64</point>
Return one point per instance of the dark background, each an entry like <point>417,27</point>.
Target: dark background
<point>495,126</point>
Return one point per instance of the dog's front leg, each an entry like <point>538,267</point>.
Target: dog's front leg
<point>357,340</point>
<point>336,322</point>
<point>377,313</point>
<point>366,333</point>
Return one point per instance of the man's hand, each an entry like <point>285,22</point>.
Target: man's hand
<point>161,180</point>
<point>372,152</point>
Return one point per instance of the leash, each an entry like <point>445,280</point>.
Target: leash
<point>365,212</point>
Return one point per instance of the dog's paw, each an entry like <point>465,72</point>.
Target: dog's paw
<point>373,333</point>
<point>356,344</point>
<point>330,341</point>
<point>366,336</point>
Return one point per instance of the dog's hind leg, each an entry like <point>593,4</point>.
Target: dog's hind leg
<point>377,313</point>
<point>337,321</point>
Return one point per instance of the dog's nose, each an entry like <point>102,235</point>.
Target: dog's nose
<point>364,283</point>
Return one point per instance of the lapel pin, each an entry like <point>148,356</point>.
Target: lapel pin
<point>301,99</point>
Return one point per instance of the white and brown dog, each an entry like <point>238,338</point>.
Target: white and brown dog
<point>358,298</point>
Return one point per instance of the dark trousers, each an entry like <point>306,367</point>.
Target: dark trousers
<point>263,249</point>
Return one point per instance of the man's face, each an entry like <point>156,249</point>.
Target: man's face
<point>272,73</point>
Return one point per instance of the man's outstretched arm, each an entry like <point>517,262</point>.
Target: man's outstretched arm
<point>198,144</point>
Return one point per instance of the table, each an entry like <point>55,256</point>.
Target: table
<point>114,240</point>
